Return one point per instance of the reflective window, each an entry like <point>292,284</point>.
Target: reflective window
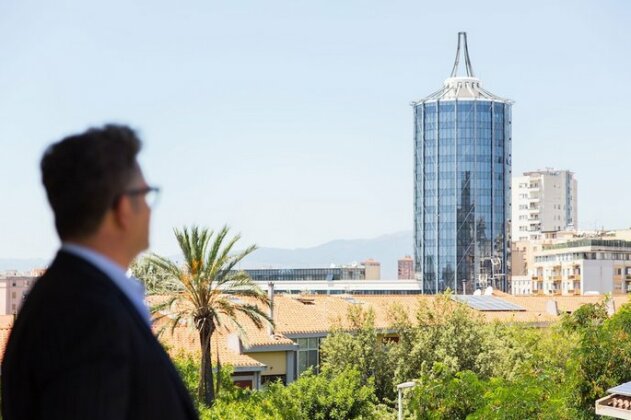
<point>308,354</point>
<point>461,193</point>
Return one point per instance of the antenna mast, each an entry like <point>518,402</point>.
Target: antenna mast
<point>468,67</point>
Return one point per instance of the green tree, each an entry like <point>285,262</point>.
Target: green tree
<point>206,284</point>
<point>358,345</point>
<point>326,396</point>
<point>444,394</point>
<point>527,396</point>
<point>603,354</point>
<point>443,331</point>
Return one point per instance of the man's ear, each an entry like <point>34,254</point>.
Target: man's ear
<point>121,212</point>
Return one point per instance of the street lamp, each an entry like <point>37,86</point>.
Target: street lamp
<point>400,389</point>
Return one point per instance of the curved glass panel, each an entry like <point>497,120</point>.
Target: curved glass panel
<point>462,201</point>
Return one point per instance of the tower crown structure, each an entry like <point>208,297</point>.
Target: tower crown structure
<point>462,179</point>
<point>462,36</point>
<point>463,87</point>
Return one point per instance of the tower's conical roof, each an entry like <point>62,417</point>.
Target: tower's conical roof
<point>462,87</point>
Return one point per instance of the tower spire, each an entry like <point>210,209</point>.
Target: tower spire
<point>462,36</point>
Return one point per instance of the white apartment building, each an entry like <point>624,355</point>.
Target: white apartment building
<point>543,201</point>
<point>13,290</point>
<point>582,266</point>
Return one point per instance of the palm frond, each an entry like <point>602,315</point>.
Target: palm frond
<point>231,261</point>
<point>255,314</point>
<point>217,241</point>
<point>205,281</point>
<point>176,320</point>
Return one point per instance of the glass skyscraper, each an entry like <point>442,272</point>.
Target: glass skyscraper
<point>462,177</point>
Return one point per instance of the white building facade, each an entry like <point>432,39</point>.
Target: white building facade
<point>582,266</point>
<point>13,291</point>
<point>543,201</point>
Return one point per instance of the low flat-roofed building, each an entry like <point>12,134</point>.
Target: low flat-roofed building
<point>337,287</point>
<point>581,266</point>
<point>357,272</point>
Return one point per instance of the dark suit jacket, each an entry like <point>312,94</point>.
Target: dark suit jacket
<point>79,349</point>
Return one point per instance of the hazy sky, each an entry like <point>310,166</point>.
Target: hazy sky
<point>290,120</point>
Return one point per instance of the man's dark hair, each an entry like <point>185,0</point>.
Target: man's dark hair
<point>84,175</point>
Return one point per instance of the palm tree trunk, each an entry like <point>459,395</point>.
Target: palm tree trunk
<point>205,390</point>
<point>218,371</point>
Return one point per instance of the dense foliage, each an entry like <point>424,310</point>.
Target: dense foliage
<point>325,396</point>
<point>462,367</point>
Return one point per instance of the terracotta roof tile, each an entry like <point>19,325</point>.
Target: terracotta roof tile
<point>185,340</point>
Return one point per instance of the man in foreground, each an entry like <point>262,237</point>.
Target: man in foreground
<point>81,346</point>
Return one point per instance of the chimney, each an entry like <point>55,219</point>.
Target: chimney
<point>552,307</point>
<point>270,296</point>
<point>611,306</point>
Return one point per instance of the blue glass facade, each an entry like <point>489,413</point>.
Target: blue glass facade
<point>462,198</point>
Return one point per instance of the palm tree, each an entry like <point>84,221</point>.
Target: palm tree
<point>208,281</point>
<point>155,280</point>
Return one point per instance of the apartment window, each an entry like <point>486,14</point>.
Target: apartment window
<point>13,295</point>
<point>308,354</point>
<point>523,207</point>
<point>618,271</point>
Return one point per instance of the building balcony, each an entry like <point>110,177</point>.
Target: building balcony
<point>535,278</point>
<point>555,279</point>
<point>574,277</point>
<point>628,276</point>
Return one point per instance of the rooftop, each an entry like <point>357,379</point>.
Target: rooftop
<point>609,243</point>
<point>462,87</point>
<point>299,316</point>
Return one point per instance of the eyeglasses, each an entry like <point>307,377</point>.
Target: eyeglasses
<point>151,194</point>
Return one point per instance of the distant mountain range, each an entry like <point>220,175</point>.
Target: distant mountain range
<point>386,249</point>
